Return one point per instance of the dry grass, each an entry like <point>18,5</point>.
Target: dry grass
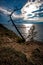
<point>9,56</point>
<point>13,52</point>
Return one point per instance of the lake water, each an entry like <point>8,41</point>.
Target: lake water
<point>24,30</point>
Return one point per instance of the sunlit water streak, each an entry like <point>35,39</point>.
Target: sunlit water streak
<point>38,28</point>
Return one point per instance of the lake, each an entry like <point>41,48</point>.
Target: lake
<point>24,28</point>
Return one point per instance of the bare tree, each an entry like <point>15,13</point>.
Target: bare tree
<point>32,33</point>
<point>14,22</point>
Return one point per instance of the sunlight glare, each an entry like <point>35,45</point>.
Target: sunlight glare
<point>28,26</point>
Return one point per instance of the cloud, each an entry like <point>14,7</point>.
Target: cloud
<point>6,12</point>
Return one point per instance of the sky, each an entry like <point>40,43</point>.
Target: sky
<point>9,5</point>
